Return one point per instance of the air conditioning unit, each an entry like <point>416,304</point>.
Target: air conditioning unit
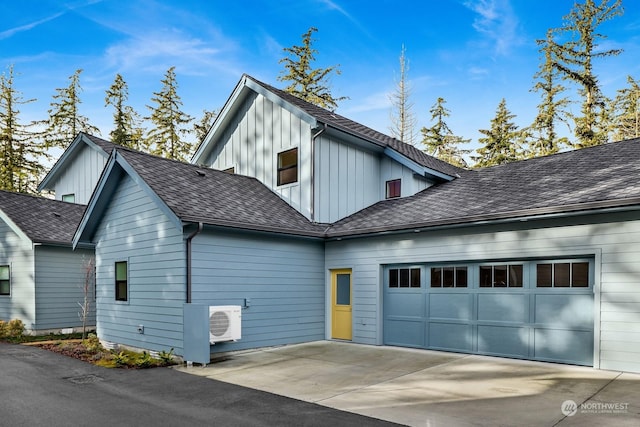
<point>225,323</point>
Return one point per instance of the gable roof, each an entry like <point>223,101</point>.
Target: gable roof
<point>41,220</point>
<point>192,194</point>
<point>318,117</point>
<point>80,141</point>
<point>599,177</point>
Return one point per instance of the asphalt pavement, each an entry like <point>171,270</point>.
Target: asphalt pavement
<point>41,388</point>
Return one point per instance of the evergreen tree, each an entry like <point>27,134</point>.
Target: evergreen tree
<point>20,150</point>
<point>127,130</point>
<point>626,110</point>
<point>552,109</point>
<point>165,138</point>
<point>501,143</point>
<point>201,128</point>
<point>308,83</point>
<point>575,61</point>
<point>439,141</point>
<point>403,120</point>
<point>65,120</point>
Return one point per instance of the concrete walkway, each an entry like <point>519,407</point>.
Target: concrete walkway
<point>429,388</point>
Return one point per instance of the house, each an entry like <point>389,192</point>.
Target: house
<point>41,277</point>
<point>74,176</point>
<point>368,240</point>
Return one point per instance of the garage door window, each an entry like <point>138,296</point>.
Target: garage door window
<point>404,278</point>
<point>562,275</point>
<point>501,276</point>
<point>448,277</point>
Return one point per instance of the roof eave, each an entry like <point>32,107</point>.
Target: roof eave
<point>415,167</point>
<point>255,227</point>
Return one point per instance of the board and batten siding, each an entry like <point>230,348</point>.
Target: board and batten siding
<point>81,176</point>
<point>613,240</point>
<point>281,279</point>
<point>18,254</point>
<point>135,230</point>
<point>60,275</point>
<point>411,183</point>
<point>251,143</point>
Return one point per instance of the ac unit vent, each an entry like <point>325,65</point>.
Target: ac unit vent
<point>224,323</point>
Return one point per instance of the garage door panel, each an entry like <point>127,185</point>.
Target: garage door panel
<point>507,307</point>
<point>565,310</point>
<point>409,333</point>
<point>450,336</point>
<point>503,340</point>
<point>405,304</point>
<point>450,306</point>
<point>563,345</point>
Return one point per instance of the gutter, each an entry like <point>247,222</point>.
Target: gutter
<point>313,169</point>
<point>189,239</point>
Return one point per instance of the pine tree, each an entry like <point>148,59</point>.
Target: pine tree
<point>20,150</point>
<point>403,120</point>
<point>552,109</point>
<point>575,61</point>
<point>439,141</point>
<point>307,83</point>
<point>164,139</point>
<point>127,130</point>
<point>201,127</point>
<point>626,111</point>
<point>65,120</point>
<point>501,144</point>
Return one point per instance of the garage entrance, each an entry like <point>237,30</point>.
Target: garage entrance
<point>538,310</point>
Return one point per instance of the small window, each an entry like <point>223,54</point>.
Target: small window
<point>121,281</point>
<point>393,188</point>
<point>562,275</point>
<point>501,276</point>
<point>231,170</point>
<point>448,277</point>
<point>288,167</point>
<point>71,198</point>
<point>404,278</point>
<point>5,280</point>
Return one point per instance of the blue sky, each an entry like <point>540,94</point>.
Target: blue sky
<point>470,52</point>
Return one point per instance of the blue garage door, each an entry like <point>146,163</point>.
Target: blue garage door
<point>538,310</point>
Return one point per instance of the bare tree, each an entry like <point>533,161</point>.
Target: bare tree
<point>88,291</point>
<point>403,121</point>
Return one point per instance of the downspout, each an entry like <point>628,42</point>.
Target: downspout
<point>313,168</point>
<point>189,239</point>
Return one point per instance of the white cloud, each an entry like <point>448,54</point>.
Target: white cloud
<point>497,22</point>
<point>12,31</point>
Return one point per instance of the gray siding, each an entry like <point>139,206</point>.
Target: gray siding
<point>134,229</point>
<point>252,141</point>
<point>18,254</point>
<point>60,274</point>
<point>283,278</point>
<point>81,176</point>
<point>613,241</point>
<point>411,184</point>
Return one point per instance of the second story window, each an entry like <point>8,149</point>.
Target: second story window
<point>288,167</point>
<point>71,198</point>
<point>393,188</point>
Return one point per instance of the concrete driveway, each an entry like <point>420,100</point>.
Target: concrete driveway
<point>428,388</point>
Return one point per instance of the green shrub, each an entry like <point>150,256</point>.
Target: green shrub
<point>144,361</point>
<point>166,358</point>
<point>120,359</point>
<point>12,330</point>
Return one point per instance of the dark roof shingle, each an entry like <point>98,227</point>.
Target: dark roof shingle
<point>42,220</point>
<point>602,176</point>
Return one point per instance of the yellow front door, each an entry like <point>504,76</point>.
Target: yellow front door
<point>341,304</point>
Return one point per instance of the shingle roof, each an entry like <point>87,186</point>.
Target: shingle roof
<point>342,123</point>
<point>42,220</point>
<point>596,177</point>
<point>107,146</point>
<point>201,194</point>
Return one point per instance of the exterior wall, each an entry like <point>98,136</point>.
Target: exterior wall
<point>60,275</point>
<point>134,229</point>
<point>411,184</point>
<point>252,141</point>
<point>81,176</point>
<point>282,278</point>
<point>18,254</point>
<point>613,241</point>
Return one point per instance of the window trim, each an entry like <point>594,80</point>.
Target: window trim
<point>8,266</point>
<point>118,282</point>
<point>70,195</point>
<point>280,169</point>
<point>388,185</point>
